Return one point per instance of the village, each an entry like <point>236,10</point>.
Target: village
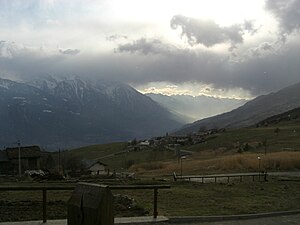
<point>35,162</point>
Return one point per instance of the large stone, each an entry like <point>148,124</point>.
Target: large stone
<point>91,204</point>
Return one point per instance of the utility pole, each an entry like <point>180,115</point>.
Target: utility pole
<point>19,152</point>
<point>59,160</point>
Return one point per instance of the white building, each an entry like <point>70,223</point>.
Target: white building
<point>98,168</point>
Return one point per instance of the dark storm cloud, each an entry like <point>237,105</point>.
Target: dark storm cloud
<point>287,12</point>
<point>208,33</point>
<point>70,51</point>
<point>138,64</point>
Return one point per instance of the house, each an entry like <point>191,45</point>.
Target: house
<point>6,167</point>
<point>30,157</point>
<point>144,143</point>
<point>98,168</point>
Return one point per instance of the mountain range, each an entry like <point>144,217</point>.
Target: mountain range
<point>73,112</point>
<point>252,112</point>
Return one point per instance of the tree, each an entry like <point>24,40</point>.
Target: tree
<point>276,131</point>
<point>134,142</point>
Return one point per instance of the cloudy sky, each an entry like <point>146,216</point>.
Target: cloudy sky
<point>227,48</point>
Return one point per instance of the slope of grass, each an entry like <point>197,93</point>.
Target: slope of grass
<point>117,156</point>
<point>287,138</point>
<point>218,153</point>
<point>98,151</point>
<point>247,162</point>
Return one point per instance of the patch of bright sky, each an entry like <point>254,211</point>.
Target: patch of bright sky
<point>60,22</point>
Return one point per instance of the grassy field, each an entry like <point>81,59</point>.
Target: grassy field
<point>196,199</point>
<point>288,138</point>
<point>183,199</point>
<point>208,163</point>
<point>106,153</point>
<point>234,150</point>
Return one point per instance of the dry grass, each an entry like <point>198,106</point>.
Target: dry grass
<point>246,162</point>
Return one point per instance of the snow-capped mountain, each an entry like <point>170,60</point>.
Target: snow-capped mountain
<point>73,112</point>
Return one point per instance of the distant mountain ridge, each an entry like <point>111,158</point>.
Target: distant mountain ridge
<point>75,112</point>
<point>191,108</point>
<point>252,112</point>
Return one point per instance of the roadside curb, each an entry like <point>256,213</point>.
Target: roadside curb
<point>230,217</point>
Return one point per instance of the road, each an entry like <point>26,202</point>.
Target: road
<point>277,220</point>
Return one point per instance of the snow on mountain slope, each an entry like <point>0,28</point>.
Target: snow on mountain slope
<point>73,112</point>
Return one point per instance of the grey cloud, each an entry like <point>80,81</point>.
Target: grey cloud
<point>116,37</point>
<point>208,33</point>
<point>257,74</point>
<point>287,12</point>
<point>70,51</point>
<point>249,27</point>
<point>145,46</point>
<point>262,49</point>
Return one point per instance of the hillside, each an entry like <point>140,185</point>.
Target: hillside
<point>289,117</point>
<point>234,150</point>
<point>252,112</point>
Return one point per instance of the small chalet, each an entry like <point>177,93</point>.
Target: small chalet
<point>98,168</point>
<point>30,157</point>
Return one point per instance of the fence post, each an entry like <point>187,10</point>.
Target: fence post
<point>155,213</point>
<point>265,176</point>
<point>44,205</point>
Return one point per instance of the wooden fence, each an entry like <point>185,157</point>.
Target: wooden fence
<point>44,190</point>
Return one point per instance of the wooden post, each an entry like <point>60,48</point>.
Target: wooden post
<point>228,179</point>
<point>155,213</point>
<point>202,179</point>
<point>241,178</point>
<point>44,205</point>
<point>265,177</point>
<point>253,177</point>
<point>215,179</point>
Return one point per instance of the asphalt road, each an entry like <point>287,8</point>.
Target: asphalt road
<point>277,220</point>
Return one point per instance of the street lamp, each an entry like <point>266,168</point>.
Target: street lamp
<point>259,159</point>
<point>181,158</point>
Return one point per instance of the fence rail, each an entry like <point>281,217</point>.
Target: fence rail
<point>261,176</point>
<point>44,190</point>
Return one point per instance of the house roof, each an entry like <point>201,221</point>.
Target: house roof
<point>26,152</point>
<point>98,162</point>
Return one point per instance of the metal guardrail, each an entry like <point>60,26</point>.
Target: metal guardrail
<point>228,176</point>
<point>44,190</point>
